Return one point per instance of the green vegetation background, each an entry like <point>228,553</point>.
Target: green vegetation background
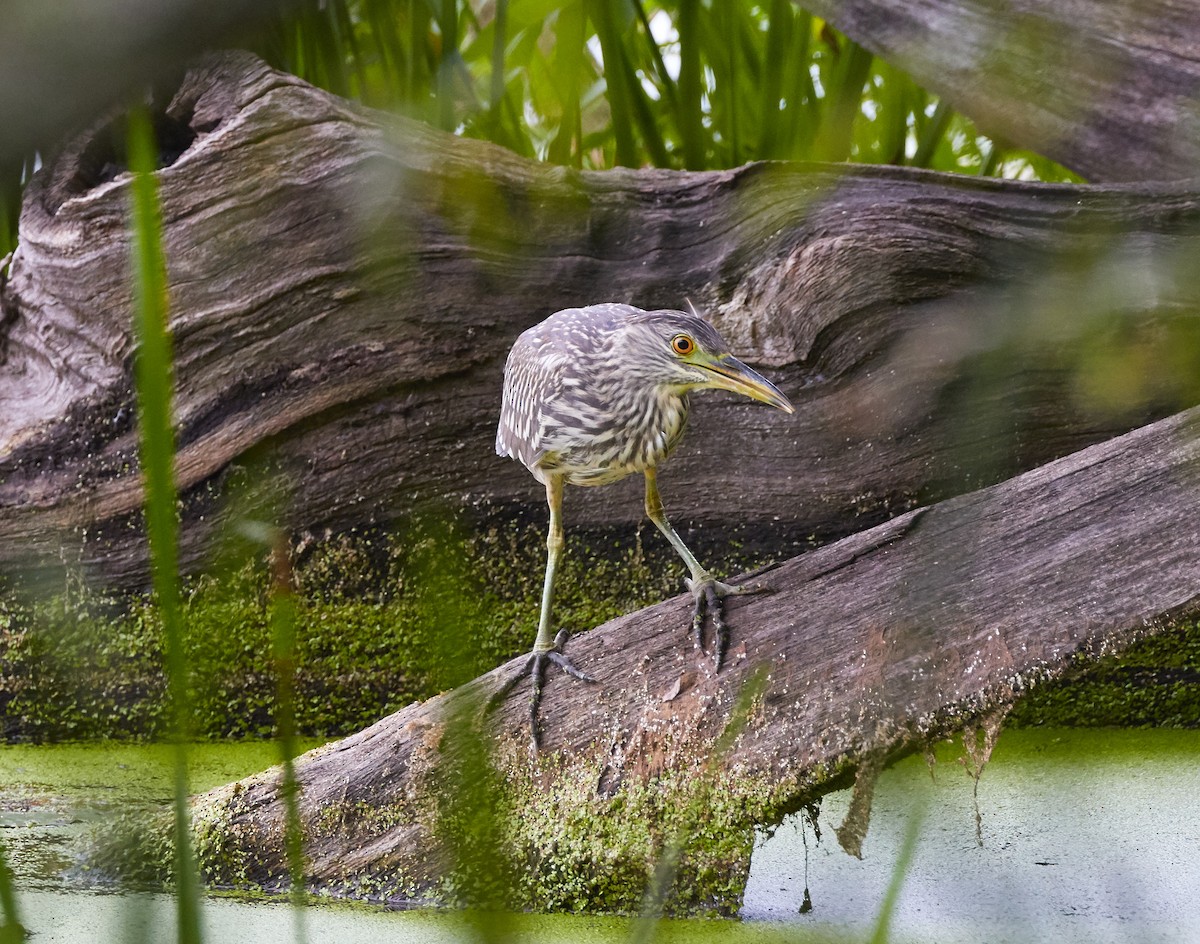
<point>685,84</point>
<point>596,83</point>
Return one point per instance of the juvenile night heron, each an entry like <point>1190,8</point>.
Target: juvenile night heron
<point>594,394</point>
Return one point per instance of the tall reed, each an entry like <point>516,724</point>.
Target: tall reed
<point>595,83</point>
<point>283,646</point>
<point>154,385</point>
<point>667,83</point>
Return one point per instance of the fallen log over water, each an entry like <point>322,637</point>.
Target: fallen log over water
<point>871,648</point>
<point>345,286</point>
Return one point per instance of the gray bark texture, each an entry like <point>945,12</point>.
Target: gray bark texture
<point>1108,88</point>
<point>345,286</point>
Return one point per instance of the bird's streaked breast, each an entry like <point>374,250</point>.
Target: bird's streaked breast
<point>570,405</point>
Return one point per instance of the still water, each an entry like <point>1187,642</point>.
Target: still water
<point>1087,836</point>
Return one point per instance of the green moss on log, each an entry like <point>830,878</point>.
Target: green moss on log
<point>82,665</point>
<point>528,836</point>
<point>1153,683</point>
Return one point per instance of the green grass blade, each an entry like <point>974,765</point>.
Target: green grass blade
<point>620,95</point>
<point>283,646</point>
<point>885,140</point>
<point>780,35</point>
<point>665,82</point>
<point>801,120</point>
<point>8,223</point>
<point>932,135</point>
<point>645,926</point>
<point>341,27</point>
<point>499,43</point>
<point>570,37</point>
<point>844,102</point>
<point>473,803</point>
<point>647,121</point>
<point>153,383</point>
<point>691,85</point>
<point>11,930</point>
<point>725,21</point>
<point>991,162</point>
<point>421,63</point>
<point>887,910</point>
<point>448,24</point>
<point>12,182</point>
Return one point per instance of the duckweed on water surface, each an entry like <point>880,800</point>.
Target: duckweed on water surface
<point>516,845</point>
<point>1078,766</point>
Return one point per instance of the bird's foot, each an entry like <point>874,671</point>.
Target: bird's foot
<point>708,593</point>
<point>535,669</point>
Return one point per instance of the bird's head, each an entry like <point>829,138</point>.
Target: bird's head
<point>685,352</point>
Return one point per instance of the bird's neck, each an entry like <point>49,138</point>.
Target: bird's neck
<point>668,417</point>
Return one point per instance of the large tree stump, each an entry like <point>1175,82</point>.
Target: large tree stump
<point>345,286</point>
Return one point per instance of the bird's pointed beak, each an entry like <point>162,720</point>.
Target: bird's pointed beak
<point>728,373</point>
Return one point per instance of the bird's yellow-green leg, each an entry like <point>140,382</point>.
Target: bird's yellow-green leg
<point>706,589</point>
<point>554,547</point>
<point>547,647</point>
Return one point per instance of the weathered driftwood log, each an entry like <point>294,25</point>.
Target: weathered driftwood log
<point>1107,88</point>
<point>872,646</point>
<point>345,286</point>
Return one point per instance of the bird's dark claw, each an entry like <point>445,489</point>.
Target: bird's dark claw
<point>708,594</point>
<point>708,600</point>
<point>535,669</point>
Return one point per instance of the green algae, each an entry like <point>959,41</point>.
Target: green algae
<point>126,772</point>
<point>1071,756</point>
<point>80,918</point>
<point>540,839</point>
<point>495,831</point>
<point>370,626</point>
<point>56,798</point>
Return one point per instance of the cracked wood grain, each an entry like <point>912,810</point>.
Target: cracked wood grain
<point>345,286</point>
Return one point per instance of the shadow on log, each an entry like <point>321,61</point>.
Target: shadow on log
<point>345,286</point>
<point>872,647</point>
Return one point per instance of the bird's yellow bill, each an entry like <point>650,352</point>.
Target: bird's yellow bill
<point>728,373</point>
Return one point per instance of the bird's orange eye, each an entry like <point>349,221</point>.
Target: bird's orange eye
<point>682,345</point>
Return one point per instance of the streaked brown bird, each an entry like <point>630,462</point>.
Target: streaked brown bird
<point>594,394</point>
